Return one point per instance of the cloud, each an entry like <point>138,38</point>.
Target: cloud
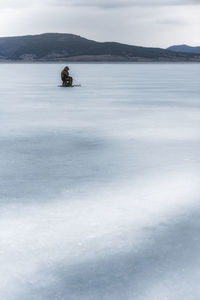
<point>172,22</point>
<point>104,4</point>
<point>118,3</point>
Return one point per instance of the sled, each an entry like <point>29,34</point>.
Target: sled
<point>69,86</point>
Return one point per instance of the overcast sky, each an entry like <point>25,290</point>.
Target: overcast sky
<point>138,22</point>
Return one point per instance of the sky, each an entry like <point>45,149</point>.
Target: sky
<point>155,23</point>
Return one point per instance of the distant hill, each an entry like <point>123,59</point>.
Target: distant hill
<point>69,47</point>
<point>185,49</point>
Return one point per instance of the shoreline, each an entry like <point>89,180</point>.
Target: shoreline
<point>94,62</point>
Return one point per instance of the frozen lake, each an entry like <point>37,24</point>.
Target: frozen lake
<point>99,185</point>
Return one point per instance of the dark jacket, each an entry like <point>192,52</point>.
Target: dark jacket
<point>64,74</point>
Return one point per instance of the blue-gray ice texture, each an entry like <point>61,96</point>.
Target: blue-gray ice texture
<point>99,185</point>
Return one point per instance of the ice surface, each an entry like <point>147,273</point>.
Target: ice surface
<point>99,185</point>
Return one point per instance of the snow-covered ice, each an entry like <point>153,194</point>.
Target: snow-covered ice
<point>99,185</point>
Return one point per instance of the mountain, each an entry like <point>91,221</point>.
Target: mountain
<point>70,47</point>
<point>184,49</point>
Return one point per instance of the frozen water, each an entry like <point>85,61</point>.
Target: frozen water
<point>99,185</point>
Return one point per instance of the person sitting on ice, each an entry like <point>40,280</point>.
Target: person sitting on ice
<point>66,79</point>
